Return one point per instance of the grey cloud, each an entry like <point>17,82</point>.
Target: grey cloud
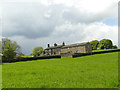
<point>29,21</point>
<point>76,15</point>
<point>34,24</point>
<point>34,20</point>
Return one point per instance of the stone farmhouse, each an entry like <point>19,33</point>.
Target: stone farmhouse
<point>68,50</point>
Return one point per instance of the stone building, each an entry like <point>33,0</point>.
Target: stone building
<point>68,49</point>
<point>53,50</point>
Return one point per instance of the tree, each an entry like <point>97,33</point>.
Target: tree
<point>9,49</point>
<point>37,51</point>
<point>94,44</point>
<point>114,47</point>
<point>105,44</point>
<point>20,54</point>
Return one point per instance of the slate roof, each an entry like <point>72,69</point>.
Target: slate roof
<point>67,46</point>
<point>77,44</point>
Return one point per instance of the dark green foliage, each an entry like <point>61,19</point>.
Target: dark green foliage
<point>9,49</point>
<point>94,44</point>
<point>114,47</point>
<point>37,51</point>
<point>105,44</point>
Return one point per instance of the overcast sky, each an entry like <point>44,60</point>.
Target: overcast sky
<point>38,22</point>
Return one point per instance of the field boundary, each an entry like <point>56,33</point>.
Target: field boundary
<point>99,52</point>
<point>56,56</point>
<point>30,58</point>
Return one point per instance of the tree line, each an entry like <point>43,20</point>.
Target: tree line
<point>102,44</point>
<point>10,49</point>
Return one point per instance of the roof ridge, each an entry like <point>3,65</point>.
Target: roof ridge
<point>53,47</point>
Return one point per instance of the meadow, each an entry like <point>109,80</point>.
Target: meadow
<point>103,50</point>
<point>94,71</point>
<point>0,76</point>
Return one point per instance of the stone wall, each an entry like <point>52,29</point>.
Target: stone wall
<point>100,52</point>
<point>88,48</point>
<point>57,51</point>
<point>78,49</point>
<point>30,58</point>
<point>66,55</point>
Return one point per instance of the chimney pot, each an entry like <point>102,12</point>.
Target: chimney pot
<point>48,45</point>
<point>63,44</point>
<point>55,44</point>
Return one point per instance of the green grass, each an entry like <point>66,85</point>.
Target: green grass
<point>103,50</point>
<point>95,71</point>
<point>0,76</point>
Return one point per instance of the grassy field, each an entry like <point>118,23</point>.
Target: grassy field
<point>103,50</point>
<point>95,71</point>
<point>0,76</point>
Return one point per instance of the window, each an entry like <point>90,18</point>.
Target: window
<point>78,51</point>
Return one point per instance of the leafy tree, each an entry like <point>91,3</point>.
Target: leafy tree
<point>37,51</point>
<point>114,47</point>
<point>20,54</point>
<point>94,44</point>
<point>105,44</point>
<point>9,49</point>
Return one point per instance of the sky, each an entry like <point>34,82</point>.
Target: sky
<point>34,23</point>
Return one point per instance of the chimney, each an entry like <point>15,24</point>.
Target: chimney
<point>55,44</point>
<point>63,44</point>
<point>48,45</point>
